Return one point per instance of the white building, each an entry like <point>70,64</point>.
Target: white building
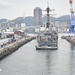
<point>23,26</point>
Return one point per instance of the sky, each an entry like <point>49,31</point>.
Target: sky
<point>11,9</point>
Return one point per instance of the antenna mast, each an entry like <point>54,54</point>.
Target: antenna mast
<point>48,9</point>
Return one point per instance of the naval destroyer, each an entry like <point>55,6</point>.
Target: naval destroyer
<point>48,38</point>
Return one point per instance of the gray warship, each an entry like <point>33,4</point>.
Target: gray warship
<point>48,38</point>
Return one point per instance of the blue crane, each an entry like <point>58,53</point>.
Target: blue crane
<point>72,23</point>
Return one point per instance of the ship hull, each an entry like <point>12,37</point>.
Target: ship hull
<point>46,48</point>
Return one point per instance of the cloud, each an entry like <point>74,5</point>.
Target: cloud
<point>4,4</point>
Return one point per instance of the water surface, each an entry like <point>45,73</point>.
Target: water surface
<point>29,61</point>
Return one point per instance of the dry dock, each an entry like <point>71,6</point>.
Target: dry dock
<point>9,48</point>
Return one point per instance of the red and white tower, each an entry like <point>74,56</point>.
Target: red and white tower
<point>71,8</point>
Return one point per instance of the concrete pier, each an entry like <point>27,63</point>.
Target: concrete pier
<point>70,39</point>
<point>9,48</point>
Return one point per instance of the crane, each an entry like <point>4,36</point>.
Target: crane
<point>72,18</point>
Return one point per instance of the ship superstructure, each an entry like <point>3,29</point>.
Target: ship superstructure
<point>48,38</point>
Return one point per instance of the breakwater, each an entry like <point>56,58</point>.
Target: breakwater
<point>14,46</point>
<point>70,39</point>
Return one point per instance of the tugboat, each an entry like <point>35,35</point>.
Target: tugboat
<point>48,38</point>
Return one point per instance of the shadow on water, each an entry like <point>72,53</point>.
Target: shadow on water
<point>50,56</point>
<point>72,61</point>
<point>72,47</point>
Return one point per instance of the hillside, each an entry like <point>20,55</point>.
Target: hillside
<point>30,20</point>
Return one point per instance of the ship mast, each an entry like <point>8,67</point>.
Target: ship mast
<point>48,22</point>
<point>48,9</point>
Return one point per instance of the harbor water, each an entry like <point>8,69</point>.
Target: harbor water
<point>29,61</point>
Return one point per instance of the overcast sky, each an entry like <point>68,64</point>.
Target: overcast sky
<point>12,9</point>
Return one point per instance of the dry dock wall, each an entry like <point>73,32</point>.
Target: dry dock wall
<point>70,39</point>
<point>14,46</point>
